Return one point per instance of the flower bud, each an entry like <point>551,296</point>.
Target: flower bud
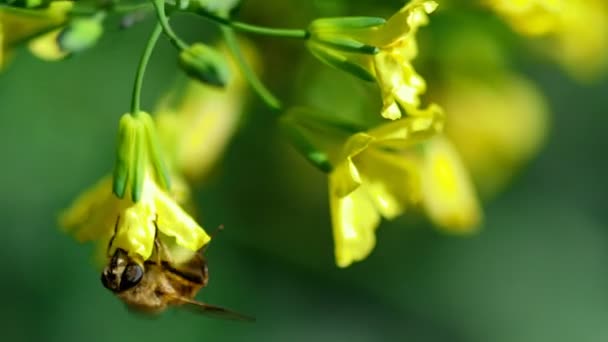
<point>128,130</point>
<point>80,34</point>
<point>204,64</point>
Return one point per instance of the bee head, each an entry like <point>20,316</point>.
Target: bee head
<point>122,273</point>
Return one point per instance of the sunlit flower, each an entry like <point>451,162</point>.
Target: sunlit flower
<point>496,124</point>
<point>374,179</point>
<point>107,215</point>
<point>98,215</point>
<point>575,33</point>
<point>20,25</point>
<point>335,41</point>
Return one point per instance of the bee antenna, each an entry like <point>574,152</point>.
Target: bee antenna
<point>212,236</point>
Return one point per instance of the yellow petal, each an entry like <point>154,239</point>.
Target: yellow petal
<point>173,221</point>
<point>174,252</point>
<point>402,134</point>
<point>402,23</point>
<point>448,195</point>
<point>354,220</point>
<point>400,85</point>
<point>390,179</point>
<point>46,47</point>
<point>346,176</point>
<point>93,214</point>
<point>136,230</point>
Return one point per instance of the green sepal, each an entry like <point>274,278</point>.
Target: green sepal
<point>346,44</point>
<point>340,61</point>
<point>304,145</point>
<point>345,23</point>
<point>205,64</point>
<point>127,132</point>
<point>139,161</point>
<point>155,153</point>
<point>81,34</point>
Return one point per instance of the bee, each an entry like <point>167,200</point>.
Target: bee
<point>153,286</point>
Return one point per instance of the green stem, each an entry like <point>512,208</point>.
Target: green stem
<point>141,69</point>
<point>248,73</point>
<point>261,30</point>
<point>84,9</point>
<point>164,21</point>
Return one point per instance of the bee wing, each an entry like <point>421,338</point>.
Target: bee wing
<point>214,311</point>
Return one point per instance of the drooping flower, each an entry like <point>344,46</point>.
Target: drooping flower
<point>380,172</point>
<point>99,216</point>
<point>106,213</point>
<point>378,50</point>
<point>574,33</point>
<point>193,125</point>
<point>375,179</point>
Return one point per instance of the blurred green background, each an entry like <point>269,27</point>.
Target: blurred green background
<point>536,272</point>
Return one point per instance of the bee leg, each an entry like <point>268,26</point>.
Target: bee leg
<point>113,236</point>
<point>161,251</point>
<point>158,259</point>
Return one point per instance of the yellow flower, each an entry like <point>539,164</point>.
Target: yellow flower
<point>98,215</point>
<point>105,214</point>
<point>373,180</point>
<point>496,124</point>
<point>403,163</point>
<point>575,32</point>
<point>196,130</point>
<point>348,43</point>
<point>20,25</point>
<point>448,195</point>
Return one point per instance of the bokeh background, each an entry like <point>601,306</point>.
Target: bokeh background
<point>536,271</point>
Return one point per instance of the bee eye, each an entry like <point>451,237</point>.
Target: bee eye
<point>131,276</point>
<point>106,282</point>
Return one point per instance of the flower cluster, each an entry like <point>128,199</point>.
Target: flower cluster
<point>379,172</point>
<point>413,155</point>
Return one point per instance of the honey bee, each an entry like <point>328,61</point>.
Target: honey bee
<point>154,285</point>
